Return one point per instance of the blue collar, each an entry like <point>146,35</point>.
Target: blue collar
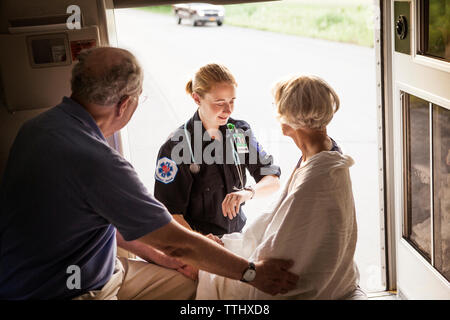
<point>77,111</point>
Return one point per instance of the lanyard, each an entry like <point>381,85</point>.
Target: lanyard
<point>195,167</point>
<point>237,162</point>
<point>188,138</point>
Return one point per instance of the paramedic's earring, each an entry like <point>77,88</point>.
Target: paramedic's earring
<point>194,168</point>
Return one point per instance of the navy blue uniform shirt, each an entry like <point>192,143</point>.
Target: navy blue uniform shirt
<point>198,197</point>
<point>63,190</point>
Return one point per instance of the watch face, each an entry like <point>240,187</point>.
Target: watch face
<point>249,275</point>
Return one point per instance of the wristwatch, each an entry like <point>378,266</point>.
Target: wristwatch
<point>249,273</point>
<point>250,188</point>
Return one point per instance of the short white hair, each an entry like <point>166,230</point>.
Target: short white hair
<point>305,102</point>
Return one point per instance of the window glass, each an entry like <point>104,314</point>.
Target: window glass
<point>436,28</point>
<point>441,173</point>
<point>418,230</point>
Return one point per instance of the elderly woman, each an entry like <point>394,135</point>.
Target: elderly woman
<point>314,221</point>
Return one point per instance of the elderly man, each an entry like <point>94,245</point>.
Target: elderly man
<point>65,191</point>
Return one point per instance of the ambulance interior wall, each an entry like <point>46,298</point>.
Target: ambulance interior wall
<point>10,123</point>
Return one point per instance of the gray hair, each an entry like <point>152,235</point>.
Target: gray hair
<point>110,85</point>
<point>305,101</point>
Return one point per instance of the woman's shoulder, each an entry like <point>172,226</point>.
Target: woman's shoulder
<point>331,159</point>
<point>322,168</point>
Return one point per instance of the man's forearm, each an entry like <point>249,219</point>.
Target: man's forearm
<point>146,252</point>
<point>180,219</point>
<point>197,250</point>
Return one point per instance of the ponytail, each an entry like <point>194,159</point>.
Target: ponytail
<point>189,89</point>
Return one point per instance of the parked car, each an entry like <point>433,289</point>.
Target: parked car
<point>199,13</point>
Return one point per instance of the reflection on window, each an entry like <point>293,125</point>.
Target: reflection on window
<point>441,173</point>
<point>435,28</point>
<point>418,229</point>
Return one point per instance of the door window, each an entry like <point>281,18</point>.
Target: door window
<point>426,224</point>
<point>434,28</point>
<point>441,187</point>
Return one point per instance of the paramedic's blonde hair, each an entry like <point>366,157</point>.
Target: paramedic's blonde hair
<point>208,76</point>
<point>305,101</point>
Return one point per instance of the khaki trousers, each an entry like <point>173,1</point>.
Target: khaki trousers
<point>139,280</point>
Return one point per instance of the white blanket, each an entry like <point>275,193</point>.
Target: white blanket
<point>313,223</point>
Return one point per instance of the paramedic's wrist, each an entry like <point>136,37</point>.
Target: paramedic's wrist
<point>250,188</point>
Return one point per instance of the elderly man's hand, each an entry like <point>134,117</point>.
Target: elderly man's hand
<point>272,276</point>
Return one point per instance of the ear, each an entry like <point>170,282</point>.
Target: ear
<point>196,97</point>
<point>287,129</point>
<point>122,106</point>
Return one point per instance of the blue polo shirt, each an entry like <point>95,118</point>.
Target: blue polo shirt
<point>63,193</point>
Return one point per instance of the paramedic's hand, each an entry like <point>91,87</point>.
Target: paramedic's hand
<point>215,238</point>
<point>233,201</point>
<point>272,276</point>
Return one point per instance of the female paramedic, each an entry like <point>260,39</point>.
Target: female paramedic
<point>201,168</point>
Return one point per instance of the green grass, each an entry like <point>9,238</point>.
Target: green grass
<point>159,9</point>
<point>349,21</point>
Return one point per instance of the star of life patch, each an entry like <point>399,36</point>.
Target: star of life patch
<point>166,170</point>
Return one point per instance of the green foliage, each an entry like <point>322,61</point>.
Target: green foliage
<point>439,27</point>
<point>344,22</point>
<point>159,9</point>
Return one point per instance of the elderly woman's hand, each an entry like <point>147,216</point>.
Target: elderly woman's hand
<point>232,202</point>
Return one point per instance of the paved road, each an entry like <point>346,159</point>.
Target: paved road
<point>171,53</point>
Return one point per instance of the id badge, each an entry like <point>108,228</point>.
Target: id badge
<point>241,144</point>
